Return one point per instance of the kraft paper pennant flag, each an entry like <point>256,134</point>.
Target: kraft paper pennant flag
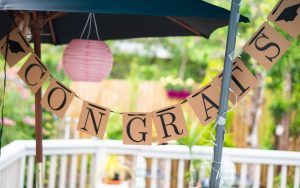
<point>205,103</point>
<point>57,98</point>
<point>17,49</point>
<point>286,14</point>
<point>137,128</point>
<point>242,81</point>
<point>34,73</point>
<point>169,123</point>
<point>93,119</point>
<point>267,46</point>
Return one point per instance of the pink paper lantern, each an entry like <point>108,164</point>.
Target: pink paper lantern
<point>87,60</point>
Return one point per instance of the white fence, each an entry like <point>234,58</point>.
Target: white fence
<point>81,163</point>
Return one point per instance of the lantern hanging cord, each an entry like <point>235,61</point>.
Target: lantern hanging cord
<point>4,81</point>
<point>96,26</point>
<point>89,20</point>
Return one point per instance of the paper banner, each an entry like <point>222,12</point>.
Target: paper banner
<point>267,46</point>
<point>93,119</point>
<point>242,81</point>
<point>57,98</point>
<point>17,47</point>
<point>286,14</point>
<point>137,128</point>
<point>169,123</point>
<point>34,73</point>
<point>205,103</point>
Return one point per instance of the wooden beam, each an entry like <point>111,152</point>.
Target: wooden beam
<point>53,15</point>
<point>25,23</point>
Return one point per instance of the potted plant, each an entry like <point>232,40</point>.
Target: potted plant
<point>115,171</point>
<point>178,88</point>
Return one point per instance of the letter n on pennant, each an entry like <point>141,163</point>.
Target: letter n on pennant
<point>57,98</point>
<point>169,124</point>
<point>93,119</point>
<point>137,128</point>
<point>34,73</point>
<point>205,103</point>
<point>267,46</point>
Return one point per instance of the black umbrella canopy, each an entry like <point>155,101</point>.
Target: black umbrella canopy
<point>120,19</point>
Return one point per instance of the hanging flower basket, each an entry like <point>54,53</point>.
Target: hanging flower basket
<point>178,94</point>
<point>178,88</point>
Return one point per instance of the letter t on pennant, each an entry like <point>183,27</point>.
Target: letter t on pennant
<point>93,119</point>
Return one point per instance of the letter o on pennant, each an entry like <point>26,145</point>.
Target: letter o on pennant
<point>57,98</point>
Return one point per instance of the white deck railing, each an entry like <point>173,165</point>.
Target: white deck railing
<point>78,163</point>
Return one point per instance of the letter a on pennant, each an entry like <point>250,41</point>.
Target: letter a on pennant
<point>57,98</point>
<point>205,103</point>
<point>267,46</point>
<point>169,123</point>
<point>17,47</point>
<point>93,119</point>
<point>34,73</point>
<point>137,128</point>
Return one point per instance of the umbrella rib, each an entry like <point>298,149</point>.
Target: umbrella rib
<point>52,31</point>
<point>54,15</point>
<point>184,25</point>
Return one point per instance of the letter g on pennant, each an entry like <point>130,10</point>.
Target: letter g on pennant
<point>137,128</point>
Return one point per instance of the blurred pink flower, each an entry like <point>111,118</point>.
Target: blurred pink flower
<point>8,122</point>
<point>29,120</point>
<point>24,93</point>
<point>33,108</point>
<point>59,67</point>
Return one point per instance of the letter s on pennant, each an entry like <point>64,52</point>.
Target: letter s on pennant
<point>267,46</point>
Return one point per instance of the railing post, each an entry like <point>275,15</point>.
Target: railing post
<point>22,169</point>
<point>214,181</point>
<point>100,164</point>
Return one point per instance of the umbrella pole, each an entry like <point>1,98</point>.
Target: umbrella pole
<point>214,181</point>
<point>36,28</point>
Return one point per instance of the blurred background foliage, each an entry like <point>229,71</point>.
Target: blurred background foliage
<point>184,57</point>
